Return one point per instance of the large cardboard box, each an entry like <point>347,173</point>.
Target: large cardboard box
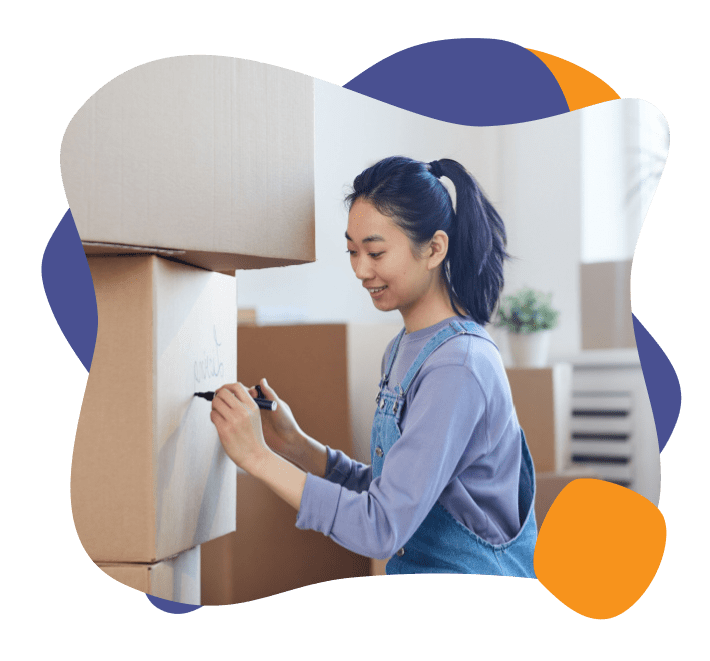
<point>543,402</point>
<point>328,374</point>
<point>149,475</point>
<point>206,159</point>
<point>176,578</point>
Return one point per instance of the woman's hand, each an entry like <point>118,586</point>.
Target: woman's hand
<point>236,417</point>
<point>235,414</point>
<point>280,429</point>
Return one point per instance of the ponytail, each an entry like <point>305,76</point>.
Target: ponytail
<point>474,262</point>
<point>410,193</point>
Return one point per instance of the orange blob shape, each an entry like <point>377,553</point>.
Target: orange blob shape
<point>599,547</point>
<point>581,88</point>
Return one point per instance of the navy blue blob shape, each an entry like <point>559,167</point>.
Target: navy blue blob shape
<point>173,607</point>
<point>661,382</point>
<point>474,82</point>
<point>70,289</point>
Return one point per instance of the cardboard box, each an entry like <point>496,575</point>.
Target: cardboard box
<point>378,567</point>
<point>606,305</point>
<point>246,317</point>
<point>209,159</point>
<point>268,555</point>
<point>543,402</point>
<point>549,485</point>
<point>149,475</point>
<point>315,370</point>
<point>176,578</point>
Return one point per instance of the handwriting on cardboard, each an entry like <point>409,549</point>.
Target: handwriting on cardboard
<point>209,365</point>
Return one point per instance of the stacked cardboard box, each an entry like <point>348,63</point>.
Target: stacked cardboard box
<point>176,172</point>
<point>176,578</point>
<point>204,159</point>
<point>149,476</point>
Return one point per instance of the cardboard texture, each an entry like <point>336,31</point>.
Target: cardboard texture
<point>377,567</point>
<point>543,403</point>
<point>210,158</point>
<point>549,485</point>
<point>150,478</point>
<point>606,305</point>
<point>308,366</point>
<point>176,578</point>
<point>246,317</point>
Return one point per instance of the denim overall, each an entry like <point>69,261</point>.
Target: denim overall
<point>441,544</point>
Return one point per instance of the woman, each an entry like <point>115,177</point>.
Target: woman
<point>451,484</point>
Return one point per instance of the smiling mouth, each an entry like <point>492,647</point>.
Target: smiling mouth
<point>376,290</point>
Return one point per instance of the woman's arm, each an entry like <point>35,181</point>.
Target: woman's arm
<point>283,467</point>
<point>283,435</point>
<point>377,521</point>
<point>306,453</point>
<point>441,437</point>
<point>239,425</point>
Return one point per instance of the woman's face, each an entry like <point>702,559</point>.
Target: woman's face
<point>381,256</point>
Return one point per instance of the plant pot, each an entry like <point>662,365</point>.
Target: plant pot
<point>529,349</point>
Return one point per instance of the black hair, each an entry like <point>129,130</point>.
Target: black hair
<point>410,193</point>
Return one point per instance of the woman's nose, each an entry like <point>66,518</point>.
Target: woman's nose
<point>362,269</point>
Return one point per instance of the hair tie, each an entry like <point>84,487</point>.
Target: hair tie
<point>435,169</point>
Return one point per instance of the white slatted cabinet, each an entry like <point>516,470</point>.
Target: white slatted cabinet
<point>612,430</point>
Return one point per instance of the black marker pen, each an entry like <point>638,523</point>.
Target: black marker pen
<point>262,403</point>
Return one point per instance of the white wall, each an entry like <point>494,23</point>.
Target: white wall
<point>540,204</point>
<point>624,147</point>
<point>604,213</point>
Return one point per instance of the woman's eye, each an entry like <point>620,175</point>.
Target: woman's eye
<point>374,255</point>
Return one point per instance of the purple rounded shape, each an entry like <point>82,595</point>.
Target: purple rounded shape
<point>474,82</point>
<point>661,382</point>
<point>70,289</point>
<point>173,607</point>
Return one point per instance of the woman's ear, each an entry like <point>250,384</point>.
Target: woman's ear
<point>438,247</point>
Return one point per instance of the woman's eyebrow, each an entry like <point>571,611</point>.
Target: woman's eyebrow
<point>367,239</point>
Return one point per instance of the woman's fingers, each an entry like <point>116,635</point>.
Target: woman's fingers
<point>222,407</point>
<point>240,392</point>
<point>267,390</point>
<point>225,396</point>
<point>215,415</point>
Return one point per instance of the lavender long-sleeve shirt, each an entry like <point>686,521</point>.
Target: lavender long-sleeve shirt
<point>460,445</point>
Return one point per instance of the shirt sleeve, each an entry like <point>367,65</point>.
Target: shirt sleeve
<point>444,431</point>
<point>347,472</point>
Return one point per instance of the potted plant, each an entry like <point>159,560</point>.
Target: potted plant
<point>529,318</point>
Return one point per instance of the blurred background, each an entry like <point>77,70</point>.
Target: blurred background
<point>573,191</point>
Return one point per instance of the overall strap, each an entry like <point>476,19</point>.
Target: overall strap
<point>454,328</point>
<point>390,362</point>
